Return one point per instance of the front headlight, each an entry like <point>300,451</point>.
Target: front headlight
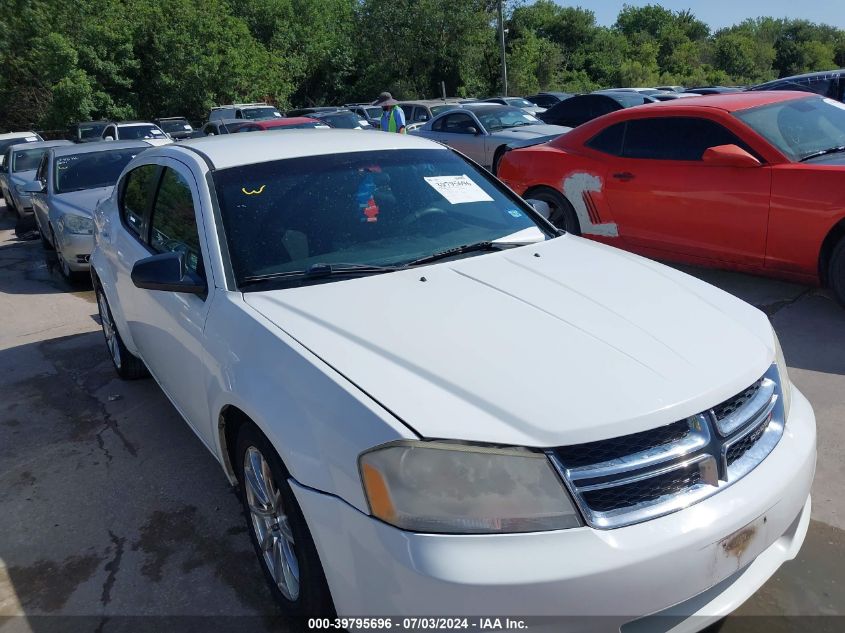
<point>455,488</point>
<point>77,224</point>
<point>785,384</point>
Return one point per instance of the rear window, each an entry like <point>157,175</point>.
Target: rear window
<point>139,132</point>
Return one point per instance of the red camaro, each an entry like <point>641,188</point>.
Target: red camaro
<point>750,181</point>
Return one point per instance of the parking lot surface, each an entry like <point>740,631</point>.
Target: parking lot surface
<point>111,507</point>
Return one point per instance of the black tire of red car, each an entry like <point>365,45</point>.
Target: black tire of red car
<point>126,364</point>
<point>836,272</point>
<point>314,597</point>
<point>563,215</point>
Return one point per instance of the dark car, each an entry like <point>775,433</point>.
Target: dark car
<point>288,123</point>
<point>712,90</point>
<point>343,119</point>
<point>828,83</point>
<point>177,127</point>
<point>548,99</point>
<point>220,126</point>
<point>86,131</point>
<point>367,111</point>
<point>312,110</point>
<point>582,108</point>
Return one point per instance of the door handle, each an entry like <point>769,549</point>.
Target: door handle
<point>625,176</point>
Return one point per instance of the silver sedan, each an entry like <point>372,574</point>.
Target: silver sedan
<point>69,183</point>
<point>481,130</point>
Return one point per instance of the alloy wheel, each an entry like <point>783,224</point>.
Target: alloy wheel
<point>270,524</point>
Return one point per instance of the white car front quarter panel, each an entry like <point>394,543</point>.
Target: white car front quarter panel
<point>317,420</point>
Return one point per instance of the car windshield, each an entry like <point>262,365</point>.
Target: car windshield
<point>502,118</point>
<point>27,159</point>
<point>7,143</point>
<point>92,169</point>
<point>373,113</point>
<point>260,113</point>
<point>180,125</point>
<point>345,120</point>
<point>377,208</point>
<point>519,103</point>
<point>139,132</point>
<point>799,127</point>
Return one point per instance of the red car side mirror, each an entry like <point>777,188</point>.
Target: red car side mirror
<point>729,156</point>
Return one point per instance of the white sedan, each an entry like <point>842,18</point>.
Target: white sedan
<point>434,403</point>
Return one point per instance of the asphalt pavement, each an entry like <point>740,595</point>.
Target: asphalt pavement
<point>110,507</point>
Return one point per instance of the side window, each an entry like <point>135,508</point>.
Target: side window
<point>136,196</point>
<point>407,110</point>
<point>609,140</point>
<point>458,123</point>
<point>574,111</point>
<point>421,114</point>
<point>173,221</point>
<point>41,174</point>
<point>675,138</point>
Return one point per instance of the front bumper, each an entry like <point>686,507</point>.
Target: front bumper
<point>76,249</point>
<point>678,565</point>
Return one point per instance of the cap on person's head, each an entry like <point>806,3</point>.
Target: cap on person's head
<point>385,99</point>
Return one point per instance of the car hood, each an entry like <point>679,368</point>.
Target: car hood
<point>81,202</point>
<point>531,131</point>
<point>561,342</point>
<point>22,177</point>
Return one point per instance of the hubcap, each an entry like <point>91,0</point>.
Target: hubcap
<point>108,328</point>
<point>270,524</point>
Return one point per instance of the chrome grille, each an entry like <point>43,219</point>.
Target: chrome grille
<point>644,475</point>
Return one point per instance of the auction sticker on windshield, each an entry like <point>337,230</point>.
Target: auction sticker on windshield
<point>458,189</point>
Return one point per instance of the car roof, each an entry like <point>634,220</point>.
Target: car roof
<point>9,135</point>
<point>245,149</point>
<point>87,148</point>
<point>291,120</point>
<point>431,102</point>
<point>822,73</point>
<point>37,144</point>
<point>132,123</point>
<point>736,101</point>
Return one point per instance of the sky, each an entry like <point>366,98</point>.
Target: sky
<point>721,13</point>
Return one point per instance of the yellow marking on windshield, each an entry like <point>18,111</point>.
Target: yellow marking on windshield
<point>253,192</point>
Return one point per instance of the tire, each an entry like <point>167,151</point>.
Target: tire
<point>836,272</point>
<point>299,585</point>
<point>563,215</point>
<point>69,275</point>
<point>45,243</point>
<point>127,365</point>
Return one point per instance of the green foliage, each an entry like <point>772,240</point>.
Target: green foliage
<point>122,59</point>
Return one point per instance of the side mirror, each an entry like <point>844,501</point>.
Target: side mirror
<point>541,207</point>
<point>108,138</point>
<point>167,272</point>
<point>729,156</point>
<point>472,130</point>
<point>33,186</point>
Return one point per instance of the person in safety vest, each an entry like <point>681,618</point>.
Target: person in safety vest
<point>392,117</point>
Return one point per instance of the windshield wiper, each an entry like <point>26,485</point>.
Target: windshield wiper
<point>320,270</point>
<point>460,250</point>
<point>824,152</point>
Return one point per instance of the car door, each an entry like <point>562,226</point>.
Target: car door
<point>167,327</point>
<point>40,207</point>
<point>664,197</point>
<point>462,132</point>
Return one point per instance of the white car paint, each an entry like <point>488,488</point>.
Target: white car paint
<point>118,132</point>
<point>552,343</point>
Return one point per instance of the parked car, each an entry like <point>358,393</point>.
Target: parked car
<point>516,102</point>
<point>87,131</point>
<point>251,111</point>
<point>288,123</point>
<point>643,91</point>
<point>347,298</point>
<point>14,138</point>
<point>712,90</point>
<point>220,126</point>
<point>313,109</point>
<point>670,88</point>
<point>749,181</point>
<point>482,130</point>
<point>176,127</point>
<point>18,169</point>
<point>370,113</point>
<point>579,109</point>
<point>548,99</point>
<point>343,119</point>
<point>70,181</point>
<point>135,131</point>
<point>829,83</point>
<point>425,109</point>
<point>669,96</point>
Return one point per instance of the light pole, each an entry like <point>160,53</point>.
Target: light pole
<point>502,45</point>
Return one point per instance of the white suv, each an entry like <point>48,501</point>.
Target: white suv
<point>434,403</point>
